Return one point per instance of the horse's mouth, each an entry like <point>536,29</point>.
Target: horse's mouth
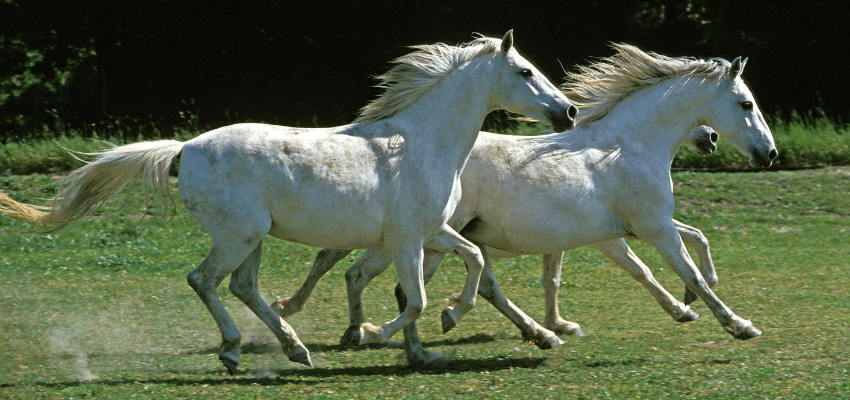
<point>763,160</point>
<point>566,121</point>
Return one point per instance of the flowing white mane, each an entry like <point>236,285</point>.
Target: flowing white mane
<point>597,88</point>
<point>416,73</point>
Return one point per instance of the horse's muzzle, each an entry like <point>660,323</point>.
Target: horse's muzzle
<point>564,121</point>
<point>763,159</point>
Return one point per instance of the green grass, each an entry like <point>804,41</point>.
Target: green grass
<point>102,310</point>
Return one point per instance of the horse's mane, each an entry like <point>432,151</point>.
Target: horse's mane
<point>597,88</point>
<point>416,73</point>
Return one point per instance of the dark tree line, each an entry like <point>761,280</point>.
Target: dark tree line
<point>311,62</point>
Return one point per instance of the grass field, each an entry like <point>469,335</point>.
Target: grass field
<point>102,310</point>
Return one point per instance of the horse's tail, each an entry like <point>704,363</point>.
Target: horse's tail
<point>92,185</point>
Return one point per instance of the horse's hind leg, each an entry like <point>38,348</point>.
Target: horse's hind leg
<point>325,260</point>
<point>243,285</point>
<point>205,280</point>
<point>551,285</point>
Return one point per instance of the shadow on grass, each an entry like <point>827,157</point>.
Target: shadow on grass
<point>301,376</point>
<point>305,376</point>
<point>274,347</point>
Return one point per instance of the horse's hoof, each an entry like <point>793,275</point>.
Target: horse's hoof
<point>742,330</point>
<point>279,306</point>
<point>301,355</point>
<point>566,328</point>
<point>448,320</point>
<point>352,336</point>
<point>577,332</point>
<point>283,307</point>
<point>230,362</point>
<point>689,316</point>
<point>690,296</point>
<point>548,342</point>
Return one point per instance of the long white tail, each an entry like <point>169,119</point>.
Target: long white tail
<point>90,186</point>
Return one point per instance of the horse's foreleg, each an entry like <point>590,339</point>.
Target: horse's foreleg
<point>551,285</point>
<point>694,238</point>
<point>243,285</point>
<point>531,331</point>
<point>371,264</point>
<point>417,356</point>
<point>449,241</point>
<point>620,252</point>
<point>666,239</point>
<point>408,262</point>
<point>325,260</point>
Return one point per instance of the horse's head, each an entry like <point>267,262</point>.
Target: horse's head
<point>734,114</point>
<point>524,90</point>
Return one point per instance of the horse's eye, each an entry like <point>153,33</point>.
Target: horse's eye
<point>747,105</point>
<point>526,73</point>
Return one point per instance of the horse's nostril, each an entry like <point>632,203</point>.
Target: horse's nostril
<point>572,112</point>
<point>714,137</point>
<point>772,155</point>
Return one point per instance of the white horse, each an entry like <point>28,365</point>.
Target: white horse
<point>389,180</point>
<point>608,179</point>
<point>702,139</point>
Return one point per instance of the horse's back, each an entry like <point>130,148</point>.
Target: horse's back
<point>315,187</point>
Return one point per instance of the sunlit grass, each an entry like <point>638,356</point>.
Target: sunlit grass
<point>103,310</point>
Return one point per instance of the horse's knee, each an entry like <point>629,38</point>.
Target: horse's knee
<point>415,308</point>
<point>550,285</point>
<point>711,280</point>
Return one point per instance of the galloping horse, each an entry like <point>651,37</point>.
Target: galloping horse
<point>389,180</point>
<point>606,180</point>
<point>702,139</point>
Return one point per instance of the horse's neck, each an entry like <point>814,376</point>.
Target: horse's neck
<point>656,119</point>
<point>445,122</point>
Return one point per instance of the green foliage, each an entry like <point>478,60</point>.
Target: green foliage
<point>277,61</point>
<point>102,310</point>
<point>804,140</point>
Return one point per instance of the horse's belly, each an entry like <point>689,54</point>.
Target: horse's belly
<point>320,231</point>
<point>527,233</point>
<point>326,217</point>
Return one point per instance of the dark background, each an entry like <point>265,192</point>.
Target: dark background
<point>66,63</point>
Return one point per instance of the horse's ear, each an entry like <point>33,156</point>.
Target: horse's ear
<point>508,41</point>
<point>737,68</point>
